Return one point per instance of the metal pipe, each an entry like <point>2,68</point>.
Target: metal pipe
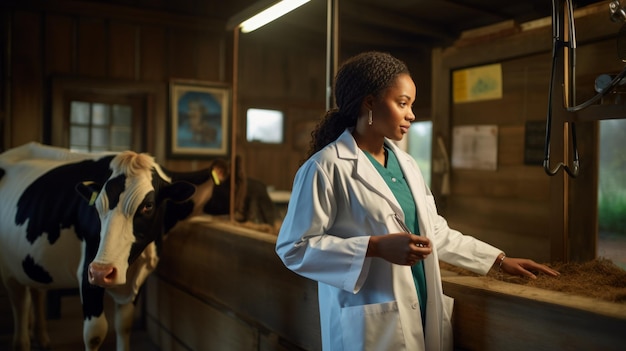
<point>233,134</point>
<point>332,47</point>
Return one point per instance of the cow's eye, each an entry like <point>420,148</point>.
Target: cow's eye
<point>147,208</point>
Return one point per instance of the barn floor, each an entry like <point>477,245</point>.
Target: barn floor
<point>66,332</point>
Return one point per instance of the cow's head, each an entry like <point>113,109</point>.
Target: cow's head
<point>131,206</point>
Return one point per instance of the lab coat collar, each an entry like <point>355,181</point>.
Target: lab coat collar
<point>417,186</point>
<point>364,171</point>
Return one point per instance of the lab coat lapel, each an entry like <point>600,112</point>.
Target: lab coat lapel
<point>434,333</point>
<point>417,186</point>
<point>364,171</point>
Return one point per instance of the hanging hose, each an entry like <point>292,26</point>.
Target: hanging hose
<point>546,162</point>
<point>559,44</point>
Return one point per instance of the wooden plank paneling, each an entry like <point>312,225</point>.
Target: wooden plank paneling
<point>102,41</point>
<point>273,165</point>
<point>262,64</point>
<point>122,50</point>
<point>181,47</point>
<point>6,314</point>
<point>527,245</point>
<point>513,182</point>
<point>291,80</point>
<point>511,204</point>
<point>540,200</point>
<point>92,47</point>
<point>59,41</point>
<point>583,200</point>
<point>210,57</point>
<point>249,75</point>
<point>254,287</point>
<point>572,203</point>
<point>132,12</point>
<point>152,58</point>
<point>175,317</point>
<point>510,146</point>
<point>491,315</point>
<point>525,83</point>
<point>4,80</point>
<point>294,84</point>
<point>27,72</point>
<point>507,215</point>
<point>284,158</point>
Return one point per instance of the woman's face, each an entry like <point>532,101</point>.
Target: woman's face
<point>392,112</point>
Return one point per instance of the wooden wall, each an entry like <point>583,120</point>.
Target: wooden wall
<point>238,291</point>
<point>123,48</point>
<point>291,77</point>
<point>43,42</point>
<point>518,207</point>
<point>250,301</point>
<point>285,77</point>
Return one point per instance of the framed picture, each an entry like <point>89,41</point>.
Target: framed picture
<point>199,119</point>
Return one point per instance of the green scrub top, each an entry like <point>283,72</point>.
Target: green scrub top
<point>393,176</point>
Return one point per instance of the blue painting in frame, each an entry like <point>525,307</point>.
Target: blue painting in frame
<point>199,119</point>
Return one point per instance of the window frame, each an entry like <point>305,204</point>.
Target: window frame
<point>137,138</point>
<point>149,98</point>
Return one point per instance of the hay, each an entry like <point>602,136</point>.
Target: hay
<point>600,279</point>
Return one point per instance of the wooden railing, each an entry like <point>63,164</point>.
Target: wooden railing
<point>222,287</point>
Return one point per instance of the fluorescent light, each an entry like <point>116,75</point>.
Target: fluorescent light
<point>268,15</point>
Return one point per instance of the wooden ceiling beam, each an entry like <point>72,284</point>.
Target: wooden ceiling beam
<point>382,18</point>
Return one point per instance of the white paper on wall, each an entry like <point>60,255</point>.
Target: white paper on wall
<point>475,147</point>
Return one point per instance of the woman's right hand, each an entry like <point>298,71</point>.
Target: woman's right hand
<point>399,248</point>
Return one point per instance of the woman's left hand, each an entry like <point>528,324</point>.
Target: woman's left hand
<point>524,267</point>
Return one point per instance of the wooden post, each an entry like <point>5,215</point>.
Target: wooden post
<point>233,134</point>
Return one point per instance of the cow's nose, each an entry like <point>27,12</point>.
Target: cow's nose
<point>102,274</point>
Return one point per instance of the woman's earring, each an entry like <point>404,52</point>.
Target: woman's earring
<point>370,119</point>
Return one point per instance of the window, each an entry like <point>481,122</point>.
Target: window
<point>103,115</point>
<point>265,126</point>
<point>419,146</point>
<point>100,126</point>
<point>612,192</point>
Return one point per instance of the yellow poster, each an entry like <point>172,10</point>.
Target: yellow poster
<point>477,83</point>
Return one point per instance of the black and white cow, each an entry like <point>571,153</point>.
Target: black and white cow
<point>93,221</point>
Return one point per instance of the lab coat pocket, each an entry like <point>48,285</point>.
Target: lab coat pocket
<point>448,336</point>
<point>372,327</point>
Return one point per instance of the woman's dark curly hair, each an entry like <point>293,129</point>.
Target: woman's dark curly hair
<point>365,74</point>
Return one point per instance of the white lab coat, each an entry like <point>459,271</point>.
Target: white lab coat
<point>338,201</point>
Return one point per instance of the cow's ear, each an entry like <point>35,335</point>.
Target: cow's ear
<point>88,191</point>
<point>178,191</point>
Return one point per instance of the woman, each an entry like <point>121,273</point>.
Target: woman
<point>355,204</point>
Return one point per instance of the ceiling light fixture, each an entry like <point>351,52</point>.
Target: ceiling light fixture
<point>269,14</point>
